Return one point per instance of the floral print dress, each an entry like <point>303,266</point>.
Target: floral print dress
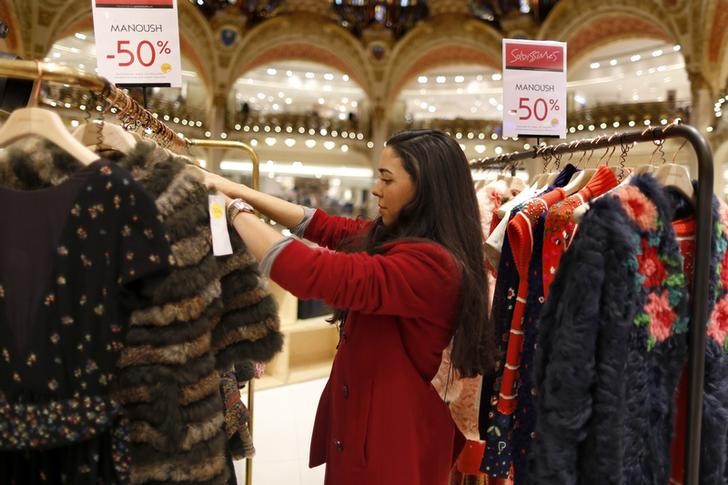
<point>74,259</point>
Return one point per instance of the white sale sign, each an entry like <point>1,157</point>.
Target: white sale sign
<point>534,88</point>
<point>137,42</point>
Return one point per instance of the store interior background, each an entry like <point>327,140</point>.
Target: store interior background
<point>317,86</point>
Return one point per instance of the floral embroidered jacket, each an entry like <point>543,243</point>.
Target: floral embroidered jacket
<point>611,346</point>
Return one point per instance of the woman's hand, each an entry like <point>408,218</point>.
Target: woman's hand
<point>227,187</point>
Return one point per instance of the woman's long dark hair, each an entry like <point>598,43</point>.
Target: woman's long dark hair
<point>444,209</point>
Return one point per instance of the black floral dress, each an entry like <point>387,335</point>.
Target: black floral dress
<point>74,258</point>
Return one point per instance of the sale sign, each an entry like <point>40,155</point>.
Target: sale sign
<point>137,42</point>
<point>534,88</point>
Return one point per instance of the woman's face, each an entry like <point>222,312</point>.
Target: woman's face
<point>394,189</point>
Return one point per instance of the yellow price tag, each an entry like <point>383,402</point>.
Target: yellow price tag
<point>216,211</point>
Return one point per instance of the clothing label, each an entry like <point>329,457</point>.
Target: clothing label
<point>137,42</point>
<point>534,88</point>
<point>218,226</point>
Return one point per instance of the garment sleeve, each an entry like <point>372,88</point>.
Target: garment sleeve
<point>249,328</point>
<point>411,280</point>
<point>564,363</point>
<point>144,247</point>
<point>330,231</point>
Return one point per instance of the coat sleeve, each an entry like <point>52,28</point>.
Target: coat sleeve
<point>564,364</point>
<point>411,280</point>
<point>329,231</point>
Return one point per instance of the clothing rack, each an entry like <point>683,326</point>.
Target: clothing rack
<point>239,145</point>
<point>133,115</point>
<point>699,310</point>
<point>123,106</point>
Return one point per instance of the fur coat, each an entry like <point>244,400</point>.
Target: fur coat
<point>209,313</point>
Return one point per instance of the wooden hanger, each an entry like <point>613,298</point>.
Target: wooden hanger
<point>580,178</point>
<point>34,121</point>
<point>99,133</point>
<point>673,174</point>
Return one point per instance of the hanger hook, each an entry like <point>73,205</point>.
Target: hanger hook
<point>623,156</point>
<point>35,93</point>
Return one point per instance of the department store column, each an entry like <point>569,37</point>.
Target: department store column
<point>701,115</point>
<point>216,122</point>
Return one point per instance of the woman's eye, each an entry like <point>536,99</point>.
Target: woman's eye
<point>386,181</point>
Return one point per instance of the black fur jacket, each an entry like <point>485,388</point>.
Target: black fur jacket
<point>613,343</point>
<point>209,314</point>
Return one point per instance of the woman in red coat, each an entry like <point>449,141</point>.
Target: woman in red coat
<point>406,284</point>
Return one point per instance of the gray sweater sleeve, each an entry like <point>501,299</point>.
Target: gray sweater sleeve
<point>300,228</point>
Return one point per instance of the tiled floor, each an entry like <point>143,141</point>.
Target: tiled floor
<point>282,433</point>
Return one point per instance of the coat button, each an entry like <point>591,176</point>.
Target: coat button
<point>339,445</point>
<point>345,391</point>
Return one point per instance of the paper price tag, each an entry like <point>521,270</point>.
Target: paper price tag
<point>218,226</point>
<point>534,88</point>
<point>137,42</point>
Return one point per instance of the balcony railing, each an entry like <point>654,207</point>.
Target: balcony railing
<point>297,123</point>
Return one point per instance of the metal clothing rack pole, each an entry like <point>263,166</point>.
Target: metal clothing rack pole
<point>128,111</point>
<point>239,145</point>
<point>699,310</point>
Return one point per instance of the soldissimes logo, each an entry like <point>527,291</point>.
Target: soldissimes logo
<point>532,56</point>
<point>536,57</point>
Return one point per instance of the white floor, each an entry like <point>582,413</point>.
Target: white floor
<point>282,425</point>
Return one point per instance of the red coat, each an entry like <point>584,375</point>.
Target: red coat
<point>379,420</point>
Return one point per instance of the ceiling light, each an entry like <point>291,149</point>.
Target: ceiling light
<point>310,75</point>
<point>440,79</point>
<point>311,131</point>
<point>499,107</point>
<point>647,122</point>
<point>370,144</point>
<point>603,126</point>
<point>79,36</point>
<point>261,96</point>
<point>635,58</point>
<point>321,101</point>
<point>615,124</point>
<point>631,124</point>
<point>271,71</point>
<point>479,148</point>
<point>298,168</point>
<point>635,97</point>
<point>344,148</point>
<point>276,107</point>
<point>498,150</point>
<point>495,77</point>
<point>301,130</point>
<point>459,79</point>
<point>494,136</point>
<point>676,48</point>
<point>572,130</point>
<point>709,129</point>
<point>591,127</point>
<point>310,143</point>
<point>56,55</point>
<point>354,104</point>
<point>594,65</point>
<point>266,128</point>
<point>289,73</point>
<point>657,53</point>
<point>345,77</point>
<point>329,145</point>
<point>493,102</point>
<point>422,79</point>
<point>288,100</point>
<point>290,142</point>
<point>580,127</point>
<point>237,126</point>
<point>639,72</point>
<point>458,135</point>
<point>473,109</point>
<point>328,76</point>
<point>613,62</point>
<point>526,146</point>
<point>580,99</point>
<point>431,109</point>
<point>270,141</point>
<point>471,135</point>
<point>661,68</point>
